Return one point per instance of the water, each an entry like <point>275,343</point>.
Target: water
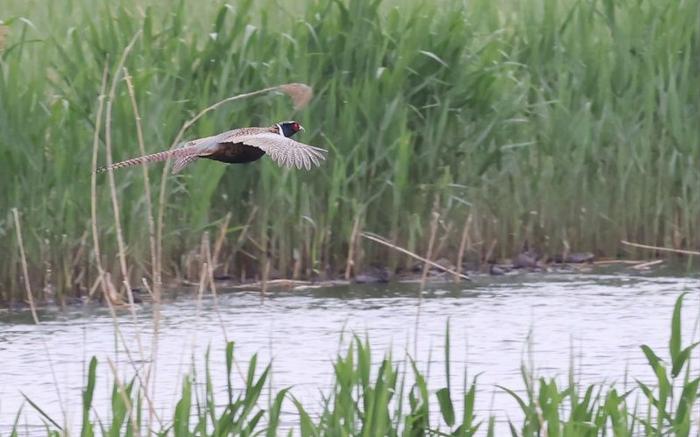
<point>599,320</point>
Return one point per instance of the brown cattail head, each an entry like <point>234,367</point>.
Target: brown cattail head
<point>300,93</point>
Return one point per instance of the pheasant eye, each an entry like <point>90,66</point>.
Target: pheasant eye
<point>295,126</point>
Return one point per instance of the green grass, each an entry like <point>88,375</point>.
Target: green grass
<point>391,397</point>
<point>557,122</point>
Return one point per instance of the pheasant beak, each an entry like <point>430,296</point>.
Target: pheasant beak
<point>301,128</point>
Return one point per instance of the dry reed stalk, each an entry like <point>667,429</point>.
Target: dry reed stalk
<point>154,356</point>
<point>221,238</point>
<point>660,249</point>
<point>350,264</point>
<point>464,243</point>
<point>385,242</point>
<point>202,285</point>
<point>646,265</point>
<point>265,275</point>
<point>48,287</point>
<point>296,270</point>
<point>431,242</point>
<point>120,237</point>
<point>93,287</point>
<point>135,320</point>
<point>567,248</point>
<point>300,94</point>
<point>149,216</point>
<point>203,251</point>
<point>200,293</point>
<point>286,284</point>
<point>49,359</point>
<point>25,270</point>
<point>93,183</point>
<point>212,284</point>
<point>82,245</point>
<point>146,186</point>
<point>617,261</point>
<point>152,369</point>
<point>244,232</point>
<point>112,295</point>
<point>257,245</point>
<point>489,251</point>
<point>442,242</point>
<point>108,149</point>
<point>265,254</point>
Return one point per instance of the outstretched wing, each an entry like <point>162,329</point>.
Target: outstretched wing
<point>285,151</point>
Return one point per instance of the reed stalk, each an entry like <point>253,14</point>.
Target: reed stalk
<point>385,242</point>
<point>464,243</point>
<point>429,253</point>
<point>110,173</point>
<point>146,182</point>
<point>25,269</point>
<point>481,114</point>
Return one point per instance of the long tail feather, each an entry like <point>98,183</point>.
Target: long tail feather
<point>181,152</point>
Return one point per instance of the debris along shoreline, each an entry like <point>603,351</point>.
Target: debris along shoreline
<point>439,271</point>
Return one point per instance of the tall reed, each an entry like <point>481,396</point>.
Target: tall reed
<point>556,122</point>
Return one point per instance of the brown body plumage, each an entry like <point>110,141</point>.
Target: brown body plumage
<point>240,146</point>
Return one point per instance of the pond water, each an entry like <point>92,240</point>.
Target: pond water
<point>598,319</point>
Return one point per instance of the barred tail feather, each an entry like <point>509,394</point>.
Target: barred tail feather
<point>183,152</point>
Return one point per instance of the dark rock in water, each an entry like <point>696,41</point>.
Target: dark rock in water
<point>525,260</point>
<point>574,258</point>
<point>416,267</point>
<point>498,270</point>
<point>470,266</point>
<point>137,298</point>
<point>18,306</point>
<point>71,301</point>
<point>579,257</point>
<point>373,275</point>
<point>223,277</point>
<point>444,262</point>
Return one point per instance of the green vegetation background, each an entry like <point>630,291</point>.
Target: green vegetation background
<point>557,122</point>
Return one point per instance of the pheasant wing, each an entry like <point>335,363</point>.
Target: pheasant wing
<point>285,151</point>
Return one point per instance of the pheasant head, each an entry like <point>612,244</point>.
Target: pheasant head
<point>288,128</point>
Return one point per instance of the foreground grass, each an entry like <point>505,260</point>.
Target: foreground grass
<point>563,123</point>
<point>392,397</point>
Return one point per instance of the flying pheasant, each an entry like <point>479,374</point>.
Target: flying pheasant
<point>240,146</point>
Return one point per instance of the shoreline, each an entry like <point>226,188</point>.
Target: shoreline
<point>378,275</point>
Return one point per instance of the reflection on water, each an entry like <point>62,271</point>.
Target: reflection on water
<point>599,319</point>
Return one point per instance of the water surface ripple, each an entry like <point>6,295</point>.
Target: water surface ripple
<point>599,320</point>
